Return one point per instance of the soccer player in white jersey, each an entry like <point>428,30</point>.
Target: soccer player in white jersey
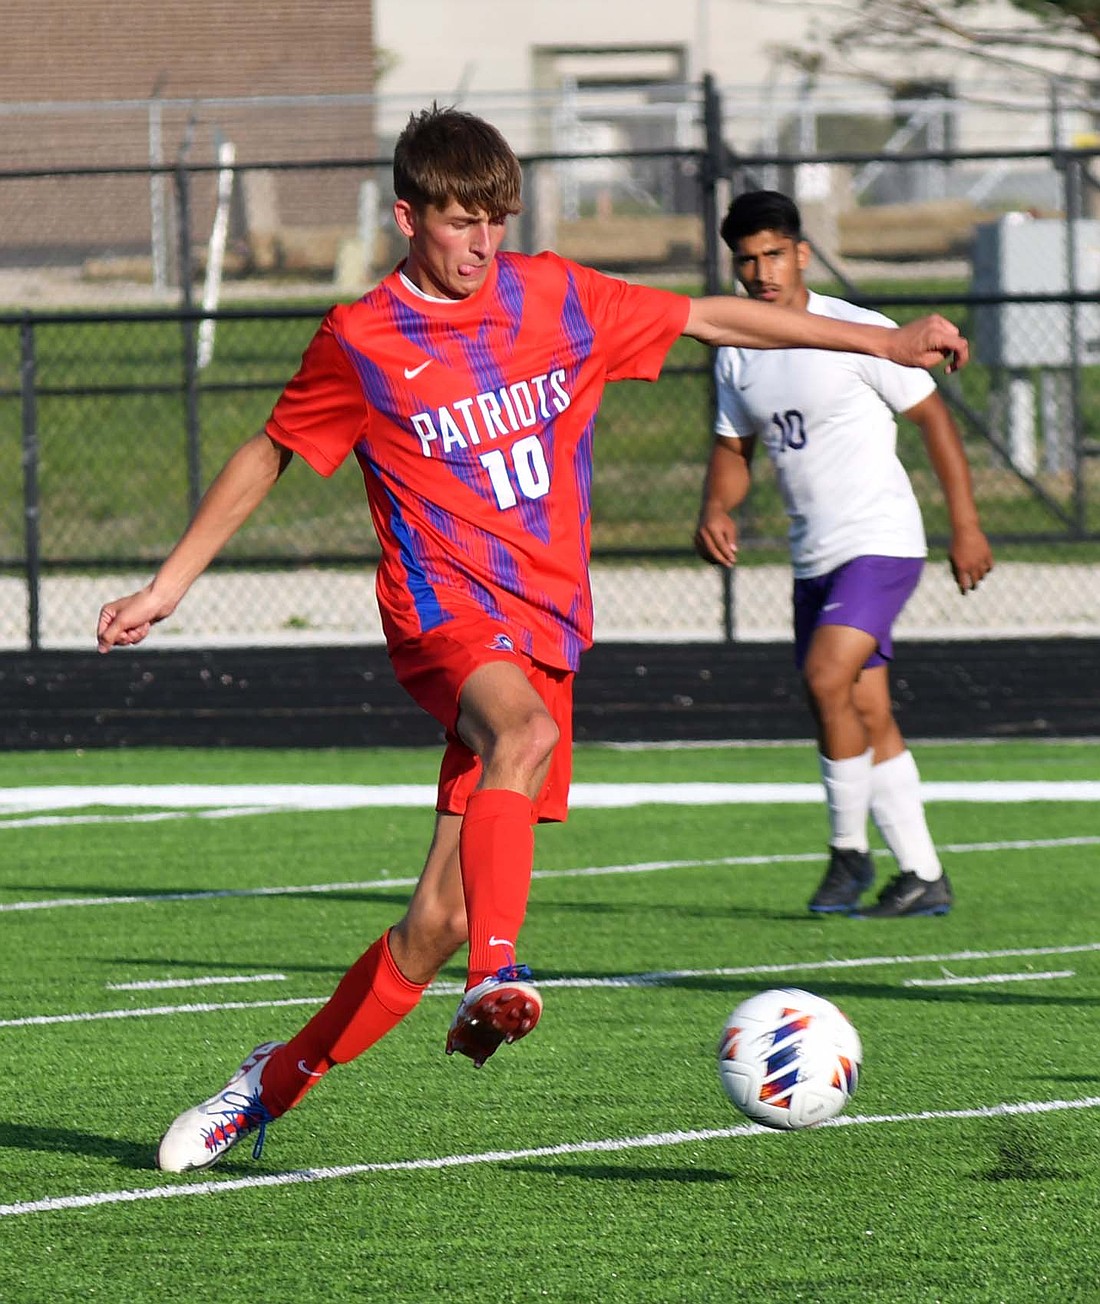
<point>827,421</point>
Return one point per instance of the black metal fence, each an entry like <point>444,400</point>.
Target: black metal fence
<point>135,374</point>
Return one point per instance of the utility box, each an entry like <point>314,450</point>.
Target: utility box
<point>1019,254</point>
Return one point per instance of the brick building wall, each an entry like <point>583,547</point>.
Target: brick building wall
<point>68,64</point>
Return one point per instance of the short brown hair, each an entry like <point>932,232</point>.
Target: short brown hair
<point>446,154</point>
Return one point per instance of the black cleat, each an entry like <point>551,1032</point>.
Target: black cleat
<point>907,894</point>
<point>849,875</point>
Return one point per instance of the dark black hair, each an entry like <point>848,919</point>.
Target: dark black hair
<point>761,210</point>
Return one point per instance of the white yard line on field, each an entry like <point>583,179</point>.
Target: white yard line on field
<point>978,979</point>
<point>162,984</point>
<point>609,1145</point>
<point>586,871</point>
<point>658,978</point>
<point>244,798</point>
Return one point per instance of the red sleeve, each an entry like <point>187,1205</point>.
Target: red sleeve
<point>637,324</point>
<point>322,412</point>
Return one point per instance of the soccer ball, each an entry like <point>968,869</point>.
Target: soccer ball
<point>789,1059</point>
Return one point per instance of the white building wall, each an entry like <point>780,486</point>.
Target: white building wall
<point>482,54</point>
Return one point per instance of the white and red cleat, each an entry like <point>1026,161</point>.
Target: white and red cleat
<point>501,1008</point>
<point>200,1136</point>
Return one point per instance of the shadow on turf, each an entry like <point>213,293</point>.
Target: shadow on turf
<point>731,912</point>
<point>137,1155</point>
<point>212,966</point>
<point>400,899</point>
<point>1021,1157</point>
<point>621,1173</point>
<point>741,985</point>
<point>127,1154</point>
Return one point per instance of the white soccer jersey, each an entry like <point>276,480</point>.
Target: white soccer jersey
<point>827,421</point>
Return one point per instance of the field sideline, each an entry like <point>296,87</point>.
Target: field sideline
<point>598,1160</point>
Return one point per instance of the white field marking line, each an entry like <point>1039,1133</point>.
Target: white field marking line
<point>15,801</point>
<point>958,981</point>
<point>154,984</point>
<point>609,1145</point>
<point>584,871</point>
<point>771,744</point>
<point>62,821</point>
<point>657,978</point>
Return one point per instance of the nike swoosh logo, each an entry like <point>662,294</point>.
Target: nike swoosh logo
<point>411,373</point>
<point>304,1068</point>
<point>832,606</point>
<point>500,941</point>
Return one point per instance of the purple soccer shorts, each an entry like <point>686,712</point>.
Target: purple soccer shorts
<point>866,593</point>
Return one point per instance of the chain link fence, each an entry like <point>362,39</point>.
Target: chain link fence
<point>172,302</point>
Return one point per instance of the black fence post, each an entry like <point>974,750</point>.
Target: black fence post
<point>714,157</point>
<point>713,169</point>
<point>1075,213</point>
<point>31,507</point>
<point>190,341</point>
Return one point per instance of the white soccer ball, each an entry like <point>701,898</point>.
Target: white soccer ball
<point>789,1059</point>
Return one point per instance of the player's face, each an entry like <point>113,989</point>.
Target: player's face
<point>770,266</point>
<point>450,249</point>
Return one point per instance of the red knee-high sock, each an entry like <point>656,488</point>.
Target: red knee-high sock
<point>497,850</point>
<point>372,997</point>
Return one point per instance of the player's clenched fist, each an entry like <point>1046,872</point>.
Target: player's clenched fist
<point>928,342</point>
<point>128,620</point>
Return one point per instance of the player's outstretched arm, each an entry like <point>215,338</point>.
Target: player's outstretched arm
<point>725,488</point>
<point>748,324</point>
<point>969,553</point>
<point>237,490</point>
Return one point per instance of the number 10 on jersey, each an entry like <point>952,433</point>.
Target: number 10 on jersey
<point>522,468</point>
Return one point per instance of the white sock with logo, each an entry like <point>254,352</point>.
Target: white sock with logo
<point>848,797</point>
<point>898,812</point>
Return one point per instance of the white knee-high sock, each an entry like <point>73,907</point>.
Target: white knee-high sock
<point>898,812</point>
<point>848,797</point>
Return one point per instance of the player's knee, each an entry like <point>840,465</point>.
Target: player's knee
<point>527,748</point>
<point>544,737</point>
<point>828,685</point>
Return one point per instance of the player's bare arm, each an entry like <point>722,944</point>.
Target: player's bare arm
<point>237,490</point>
<point>969,554</point>
<point>749,324</point>
<point>727,483</point>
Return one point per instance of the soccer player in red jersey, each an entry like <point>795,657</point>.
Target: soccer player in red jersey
<point>466,384</point>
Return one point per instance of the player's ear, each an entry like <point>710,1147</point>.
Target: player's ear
<point>404,214</point>
<point>804,255</point>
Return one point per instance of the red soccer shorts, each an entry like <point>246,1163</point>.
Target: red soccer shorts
<point>432,669</point>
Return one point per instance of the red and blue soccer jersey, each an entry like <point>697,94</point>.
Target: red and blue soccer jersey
<point>472,421</point>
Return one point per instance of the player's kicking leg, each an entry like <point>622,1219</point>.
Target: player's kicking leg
<point>375,994</point>
<point>506,719</point>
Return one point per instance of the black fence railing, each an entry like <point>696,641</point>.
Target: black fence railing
<point>113,418</point>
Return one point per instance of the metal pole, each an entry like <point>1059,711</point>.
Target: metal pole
<point>1074,210</point>
<point>156,197</point>
<point>712,170</point>
<point>190,350</point>
<point>31,507</point>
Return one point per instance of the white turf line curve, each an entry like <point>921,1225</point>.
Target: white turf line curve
<point>614,982</point>
<point>977,980</point>
<point>214,980</point>
<point>1019,793</point>
<point>224,798</point>
<point>607,1146</point>
<point>588,871</point>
